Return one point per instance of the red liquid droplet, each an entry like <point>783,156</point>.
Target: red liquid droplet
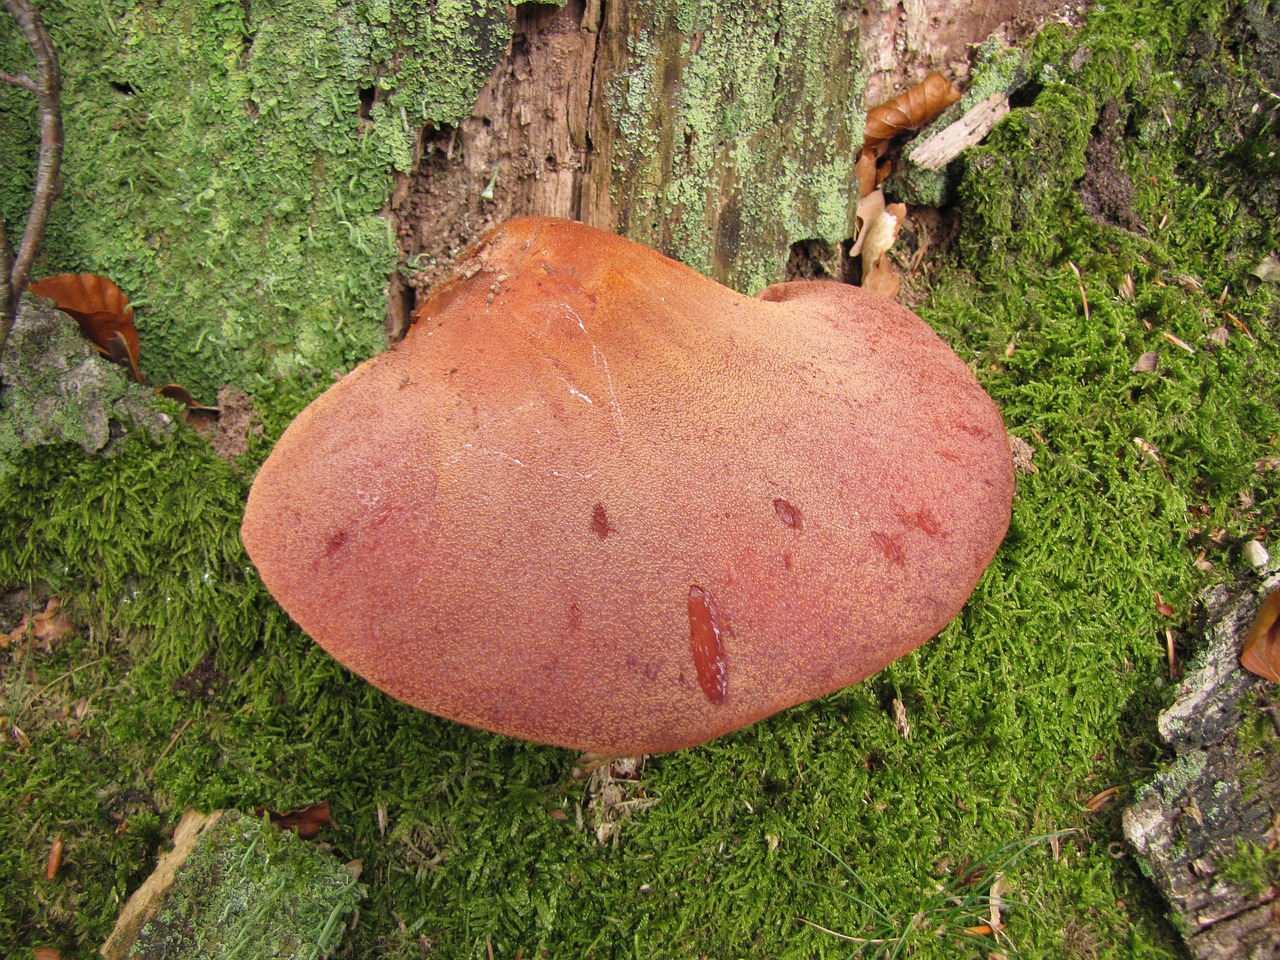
<point>707,646</point>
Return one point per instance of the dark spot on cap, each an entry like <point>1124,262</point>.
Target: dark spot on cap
<point>335,542</point>
<point>788,513</point>
<point>600,521</point>
<point>707,645</point>
<point>888,546</point>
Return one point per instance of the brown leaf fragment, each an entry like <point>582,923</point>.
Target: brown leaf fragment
<point>870,208</point>
<point>55,858</point>
<point>51,626</point>
<point>1182,344</point>
<point>101,309</point>
<point>1268,271</point>
<point>1147,362</point>
<point>1261,653</point>
<point>306,822</point>
<point>908,112</point>
<point>45,953</point>
<point>900,721</point>
<point>866,173</point>
<point>1147,447</point>
<point>199,417</point>
<point>1125,289</point>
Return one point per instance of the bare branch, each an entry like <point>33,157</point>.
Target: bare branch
<point>48,86</point>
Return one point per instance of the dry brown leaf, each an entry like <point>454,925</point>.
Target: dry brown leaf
<point>908,111</point>
<point>305,822</point>
<point>882,232</point>
<point>101,309</point>
<point>1261,653</point>
<point>870,208</point>
<point>866,172</point>
<point>51,626</point>
<point>879,232</point>
<point>46,953</point>
<point>882,279</point>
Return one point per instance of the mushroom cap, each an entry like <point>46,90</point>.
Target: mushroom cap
<point>595,499</point>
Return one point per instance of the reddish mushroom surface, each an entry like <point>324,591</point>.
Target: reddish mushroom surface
<point>595,499</point>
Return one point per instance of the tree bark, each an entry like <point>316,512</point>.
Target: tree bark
<point>720,138</point>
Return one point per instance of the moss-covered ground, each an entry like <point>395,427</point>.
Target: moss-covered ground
<point>1040,696</point>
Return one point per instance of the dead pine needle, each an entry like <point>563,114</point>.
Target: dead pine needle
<point>55,858</point>
<point>1084,297</point>
<point>844,936</point>
<point>151,770</point>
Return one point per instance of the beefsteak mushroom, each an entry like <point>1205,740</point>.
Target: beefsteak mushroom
<point>595,499</point>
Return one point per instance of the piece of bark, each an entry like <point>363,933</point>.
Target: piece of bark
<point>1190,820</point>
<point>146,900</point>
<point>941,148</point>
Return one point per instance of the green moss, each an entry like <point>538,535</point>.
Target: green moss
<point>738,135</point>
<point>217,167</point>
<point>1043,692</point>
<point>251,891</point>
<point>1254,867</point>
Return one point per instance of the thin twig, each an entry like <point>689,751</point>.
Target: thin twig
<point>48,88</point>
<point>20,80</point>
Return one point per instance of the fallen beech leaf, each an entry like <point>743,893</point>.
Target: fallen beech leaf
<point>870,208</point>
<point>1261,653</point>
<point>908,111</point>
<point>305,822</point>
<point>46,953</point>
<point>101,309</point>
<point>881,233</point>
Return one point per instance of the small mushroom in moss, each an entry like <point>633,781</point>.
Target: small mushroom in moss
<point>595,499</point>
<point>1261,653</point>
